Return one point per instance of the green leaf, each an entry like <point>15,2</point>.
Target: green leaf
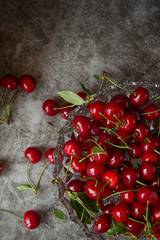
<point>114,230</point>
<point>120,225</point>
<point>71,97</point>
<point>97,77</point>
<point>59,214</point>
<point>1,121</point>
<point>88,202</point>
<point>24,188</point>
<point>85,90</point>
<point>81,213</point>
<point>97,149</point>
<point>8,110</point>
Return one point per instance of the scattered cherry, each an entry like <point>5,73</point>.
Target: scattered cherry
<point>28,83</point>
<point>33,154</point>
<point>32,219</point>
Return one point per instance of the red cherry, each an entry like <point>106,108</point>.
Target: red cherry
<point>75,185</point>
<point>156,214</point>
<point>107,210</point>
<point>148,170</point>
<point>33,154</point>
<point>82,94</point>
<point>95,128</point>
<point>128,122</point>
<point>98,157</point>
<point>120,212</point>
<point>134,227</point>
<point>139,97</point>
<point>86,145</point>
<point>49,155</point>
<point>112,177</point>
<point>1,167</point>
<point>134,150</point>
<point>130,196</point>
<point>155,229</point>
<point>113,111</point>
<point>116,157</point>
<point>31,219</point>
<point>93,187</point>
<point>151,108</point>
<point>65,111</point>
<point>96,108</point>
<point>95,170</point>
<point>126,165</point>
<point>28,83</point>
<point>147,194</point>
<point>48,107</point>
<point>120,187</point>
<point>122,100</point>
<point>82,124</point>
<point>79,166</point>
<point>120,134</point>
<point>72,148</point>
<point>138,209</point>
<point>130,176</point>
<point>149,144</point>
<point>10,82</point>
<point>103,224</point>
<point>154,157</point>
<point>141,131</point>
<point>104,138</point>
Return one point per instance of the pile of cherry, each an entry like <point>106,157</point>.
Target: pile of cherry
<point>115,153</point>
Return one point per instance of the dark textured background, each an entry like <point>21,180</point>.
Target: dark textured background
<point>62,43</point>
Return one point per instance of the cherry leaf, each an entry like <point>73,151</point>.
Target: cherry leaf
<point>114,230</point>
<point>71,97</point>
<point>97,149</point>
<point>8,110</point>
<point>85,90</point>
<point>24,188</point>
<point>97,77</point>
<point>59,214</point>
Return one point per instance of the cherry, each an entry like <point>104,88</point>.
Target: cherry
<point>104,138</point>
<point>113,111</point>
<point>128,122</point>
<point>32,219</point>
<point>141,131</point>
<point>116,157</point>
<point>75,185</point>
<point>10,82</point>
<point>33,154</point>
<point>126,164</point>
<point>154,157</point>
<point>151,112</point>
<point>72,148</point>
<point>93,188</point>
<point>96,128</point>
<point>139,97</point>
<point>65,111</point>
<point>130,176</point>
<point>130,196</point>
<point>82,124</point>
<point>155,183</point>
<point>156,214</point>
<point>120,212</point>
<point>109,124</point>
<point>1,167</point>
<point>49,107</point>
<point>49,155</point>
<point>112,177</point>
<point>103,224</point>
<point>134,150</point>
<point>96,108</point>
<point>95,170</point>
<point>98,157</point>
<point>78,166</point>
<point>134,227</point>
<point>122,100</point>
<point>82,94</point>
<point>149,144</point>
<point>86,145</point>
<point>154,230</point>
<point>107,192</point>
<point>138,209</point>
<point>120,187</point>
<point>147,194</point>
<point>137,112</point>
<point>28,83</point>
<point>121,135</point>
<point>107,210</point>
<point>148,170</point>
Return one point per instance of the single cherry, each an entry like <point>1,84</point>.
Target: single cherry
<point>9,81</point>
<point>93,188</point>
<point>151,112</point>
<point>148,170</point>
<point>120,212</point>
<point>113,111</point>
<point>75,185</point>
<point>50,107</point>
<point>130,196</point>
<point>96,108</point>
<point>78,166</point>
<point>82,124</point>
<point>112,177</point>
<point>122,100</point>
<point>138,209</point>
<point>139,97</point>
<point>72,148</point>
<point>103,224</point>
<point>33,154</point>
<point>49,155</point>
<point>31,219</point>
<point>134,227</point>
<point>28,83</point>
<point>95,170</point>
<point>65,111</point>
<point>147,194</point>
<point>116,157</point>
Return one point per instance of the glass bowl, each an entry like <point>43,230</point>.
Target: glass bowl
<point>105,95</point>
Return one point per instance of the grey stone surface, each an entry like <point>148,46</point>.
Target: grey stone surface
<point>62,43</point>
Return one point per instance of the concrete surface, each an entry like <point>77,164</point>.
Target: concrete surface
<point>62,43</point>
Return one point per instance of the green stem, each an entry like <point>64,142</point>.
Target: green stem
<point>121,123</point>
<point>69,106</point>
<point>114,194</point>
<point>11,214</point>
<point>90,155</point>
<point>157,151</point>
<point>92,178</point>
<point>101,190</point>
<point>114,145</point>
<point>116,84</point>
<point>136,221</point>
<point>96,144</point>
<point>41,174</point>
<point>154,99</point>
<point>20,89</point>
<point>34,189</point>
<point>143,184</point>
<point>101,114</point>
<point>51,124</point>
<point>151,112</point>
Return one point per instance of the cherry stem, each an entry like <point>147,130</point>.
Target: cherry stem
<point>150,112</point>
<point>93,179</point>
<point>121,123</point>
<point>116,84</point>
<point>69,106</point>
<point>124,165</point>
<point>114,145</point>
<point>157,151</point>
<point>114,194</point>
<point>40,176</point>
<point>101,191</point>
<point>82,204</point>
<point>34,189</point>
<point>153,99</point>
<point>100,113</point>
<point>60,180</point>
<point>90,155</point>
<point>11,214</point>
<point>136,221</point>
<point>143,184</point>
<point>14,95</point>
<point>110,130</point>
<point>96,144</point>
<point>51,124</point>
